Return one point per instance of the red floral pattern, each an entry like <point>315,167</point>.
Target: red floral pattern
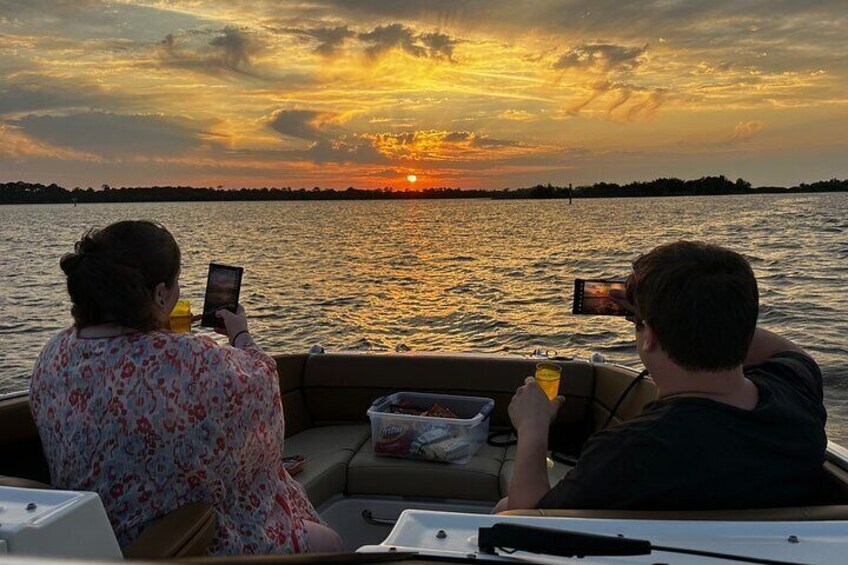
<point>152,421</point>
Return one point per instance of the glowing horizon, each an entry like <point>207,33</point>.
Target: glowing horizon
<point>472,94</point>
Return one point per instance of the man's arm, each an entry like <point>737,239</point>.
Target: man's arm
<point>766,345</point>
<point>530,476</point>
<point>531,413</point>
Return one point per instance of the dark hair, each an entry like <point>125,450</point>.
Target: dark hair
<point>113,272</point>
<point>700,300</point>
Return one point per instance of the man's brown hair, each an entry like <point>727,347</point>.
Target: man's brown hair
<point>700,300</point>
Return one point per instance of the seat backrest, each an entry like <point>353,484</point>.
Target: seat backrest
<point>610,383</point>
<point>290,368</point>
<point>340,387</point>
<point>19,437</point>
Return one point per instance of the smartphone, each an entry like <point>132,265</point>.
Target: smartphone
<point>223,285</point>
<point>593,297</point>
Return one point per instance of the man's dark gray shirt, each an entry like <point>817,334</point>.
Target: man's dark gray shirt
<point>690,453</point>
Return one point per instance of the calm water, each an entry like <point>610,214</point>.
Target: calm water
<point>474,275</point>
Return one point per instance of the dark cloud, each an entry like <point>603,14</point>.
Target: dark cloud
<point>473,139</point>
<point>303,124</point>
<point>355,150</point>
<point>603,57</point>
<point>330,39</point>
<point>394,36</point>
<point>621,101</point>
<point>646,107</point>
<point>115,135</point>
<point>459,136</point>
<point>439,45</point>
<point>397,36</point>
<point>232,49</point>
<point>235,48</point>
<point>41,95</point>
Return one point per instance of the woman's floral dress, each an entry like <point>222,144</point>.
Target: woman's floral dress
<point>152,421</point>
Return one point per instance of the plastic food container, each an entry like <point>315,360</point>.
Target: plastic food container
<point>452,440</point>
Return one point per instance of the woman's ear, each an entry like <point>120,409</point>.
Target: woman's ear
<point>160,295</point>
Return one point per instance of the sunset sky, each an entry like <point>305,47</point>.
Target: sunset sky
<point>473,93</point>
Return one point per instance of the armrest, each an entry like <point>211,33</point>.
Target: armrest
<point>185,532</point>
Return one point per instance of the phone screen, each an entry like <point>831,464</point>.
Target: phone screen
<point>222,291</point>
<point>593,297</point>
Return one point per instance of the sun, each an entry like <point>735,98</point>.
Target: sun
<point>411,178</point>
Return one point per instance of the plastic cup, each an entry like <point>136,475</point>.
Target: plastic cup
<point>548,376</point>
<point>180,320</point>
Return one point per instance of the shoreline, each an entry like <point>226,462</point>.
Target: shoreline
<point>18,192</point>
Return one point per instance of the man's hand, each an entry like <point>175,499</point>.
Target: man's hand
<point>531,413</point>
<point>620,298</point>
<point>530,410</point>
<point>766,344</point>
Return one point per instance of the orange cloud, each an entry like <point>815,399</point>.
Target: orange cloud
<point>18,146</point>
<point>745,131</point>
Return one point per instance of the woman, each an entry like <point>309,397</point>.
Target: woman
<point>152,420</point>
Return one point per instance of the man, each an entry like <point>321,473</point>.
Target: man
<point>739,419</point>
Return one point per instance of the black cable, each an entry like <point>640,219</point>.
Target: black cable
<point>510,439</point>
<point>624,394</point>
<point>556,455</point>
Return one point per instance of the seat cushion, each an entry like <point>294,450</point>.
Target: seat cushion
<point>476,480</point>
<point>186,532</point>
<point>328,450</point>
<point>555,475</point>
<point>21,482</point>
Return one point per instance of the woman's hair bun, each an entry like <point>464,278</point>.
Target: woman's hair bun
<point>112,273</point>
<point>70,262</point>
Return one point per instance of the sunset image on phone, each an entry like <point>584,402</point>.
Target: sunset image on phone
<point>597,300</point>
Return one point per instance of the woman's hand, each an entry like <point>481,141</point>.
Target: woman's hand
<point>234,323</point>
<point>530,410</point>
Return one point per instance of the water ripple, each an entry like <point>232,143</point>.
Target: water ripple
<point>485,276</point>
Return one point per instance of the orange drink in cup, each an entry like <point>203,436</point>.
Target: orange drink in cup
<point>548,376</point>
<point>180,320</point>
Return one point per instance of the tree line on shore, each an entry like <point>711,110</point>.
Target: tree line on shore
<point>32,193</point>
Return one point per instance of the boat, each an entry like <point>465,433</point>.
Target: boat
<point>393,509</point>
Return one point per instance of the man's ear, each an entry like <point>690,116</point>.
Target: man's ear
<point>649,338</point>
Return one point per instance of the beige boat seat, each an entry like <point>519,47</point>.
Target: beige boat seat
<point>186,532</point>
<point>328,450</point>
<point>479,479</point>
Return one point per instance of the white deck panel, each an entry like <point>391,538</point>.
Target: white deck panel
<point>818,542</point>
<point>54,523</point>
